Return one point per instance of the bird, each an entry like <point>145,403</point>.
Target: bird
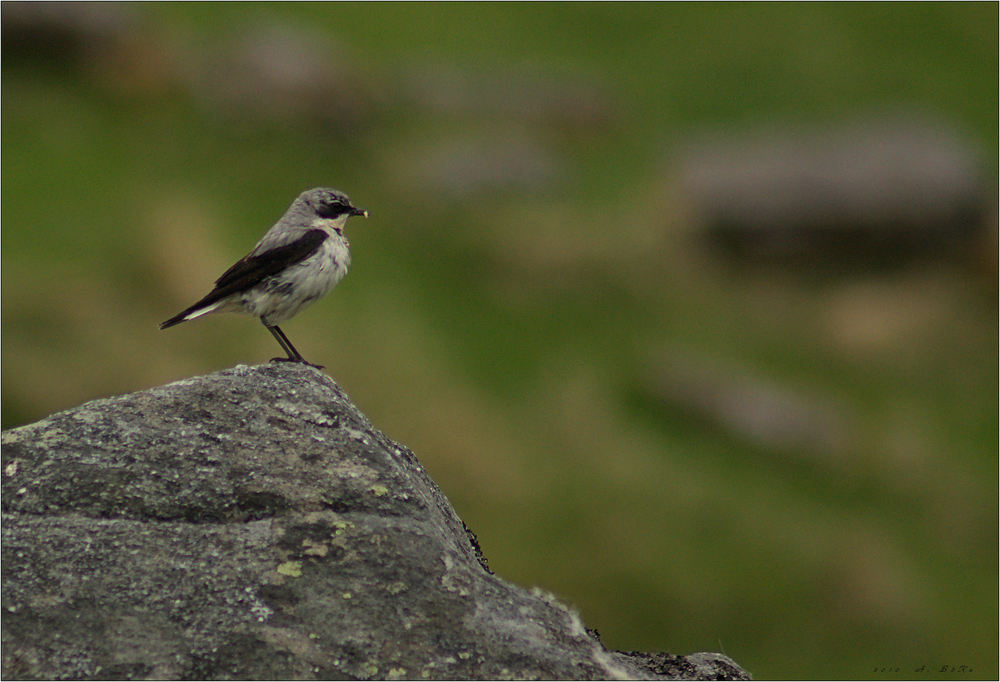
<point>300,259</point>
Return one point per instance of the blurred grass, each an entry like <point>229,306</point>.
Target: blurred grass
<point>505,336</point>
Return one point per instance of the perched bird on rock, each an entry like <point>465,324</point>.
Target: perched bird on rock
<point>300,259</point>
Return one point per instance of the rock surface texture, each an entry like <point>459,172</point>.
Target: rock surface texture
<point>252,524</point>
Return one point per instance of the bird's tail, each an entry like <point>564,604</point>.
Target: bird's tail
<point>197,310</point>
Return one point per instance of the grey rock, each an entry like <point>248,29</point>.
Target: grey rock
<point>64,32</point>
<point>252,524</point>
<point>282,73</point>
<point>537,96</point>
<point>877,188</point>
<point>467,166</point>
<point>762,412</point>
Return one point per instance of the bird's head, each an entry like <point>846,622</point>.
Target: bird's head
<point>329,204</point>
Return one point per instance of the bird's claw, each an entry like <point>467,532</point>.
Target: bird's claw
<point>301,361</point>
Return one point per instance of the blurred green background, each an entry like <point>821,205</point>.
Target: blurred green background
<point>533,308</point>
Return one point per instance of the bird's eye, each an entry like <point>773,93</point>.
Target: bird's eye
<point>331,210</point>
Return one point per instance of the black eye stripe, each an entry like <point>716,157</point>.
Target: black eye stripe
<point>331,210</point>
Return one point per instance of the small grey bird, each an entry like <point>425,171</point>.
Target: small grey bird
<point>300,259</point>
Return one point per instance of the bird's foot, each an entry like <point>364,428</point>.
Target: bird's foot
<point>301,361</point>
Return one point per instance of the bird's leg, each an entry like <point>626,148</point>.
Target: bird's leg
<point>286,345</point>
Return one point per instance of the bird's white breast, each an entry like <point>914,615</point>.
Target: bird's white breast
<point>285,294</point>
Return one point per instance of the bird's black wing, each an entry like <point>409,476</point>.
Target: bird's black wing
<point>251,270</point>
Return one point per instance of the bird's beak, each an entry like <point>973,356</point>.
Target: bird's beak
<point>359,211</point>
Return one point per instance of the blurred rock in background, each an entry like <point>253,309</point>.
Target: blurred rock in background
<point>880,189</point>
<point>282,73</point>
<point>264,72</point>
<point>763,413</point>
<point>61,32</point>
<point>464,166</point>
<point>572,102</point>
